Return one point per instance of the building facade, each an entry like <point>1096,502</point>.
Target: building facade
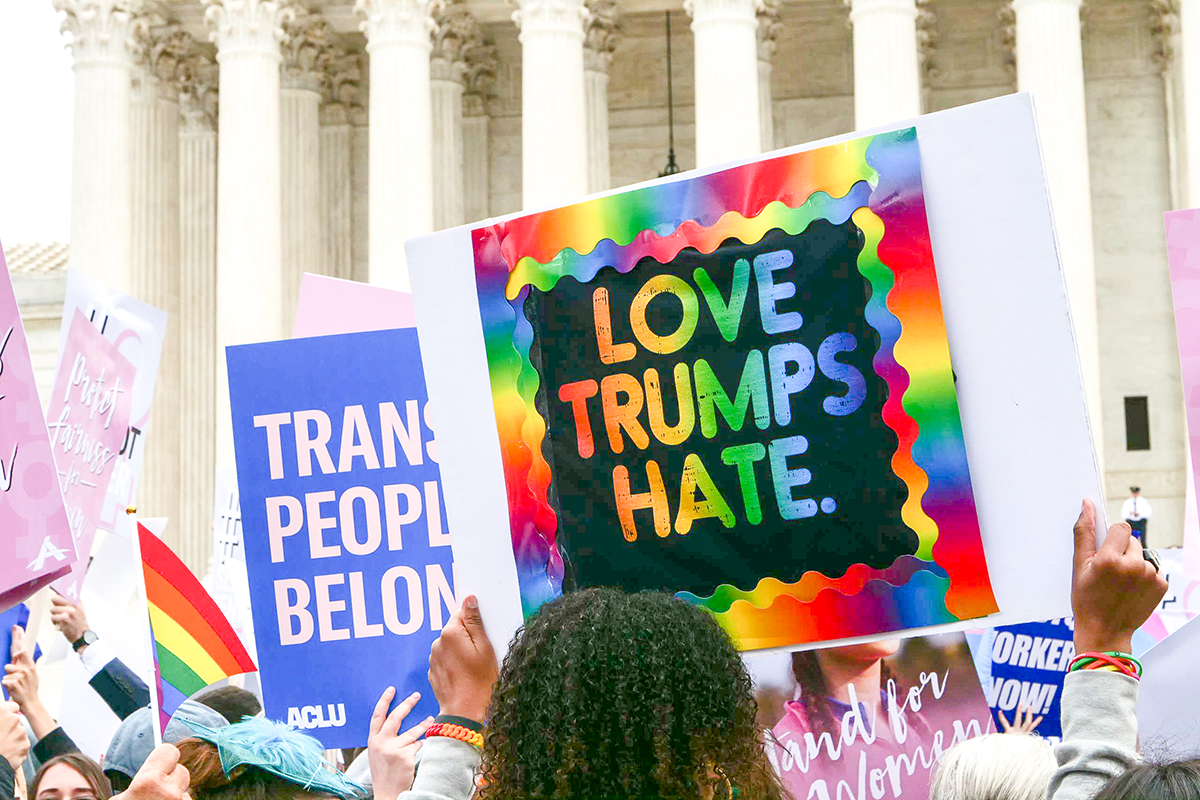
<point>225,147</point>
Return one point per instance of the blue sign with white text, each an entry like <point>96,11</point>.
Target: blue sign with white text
<point>347,549</point>
<point>1028,664</point>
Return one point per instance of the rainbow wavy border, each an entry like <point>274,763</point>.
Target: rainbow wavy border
<point>875,181</point>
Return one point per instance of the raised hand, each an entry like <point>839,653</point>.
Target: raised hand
<point>1114,589</point>
<point>1023,721</point>
<point>14,744</point>
<point>68,617</point>
<point>161,777</point>
<point>393,755</point>
<point>462,664</point>
<point>21,681</point>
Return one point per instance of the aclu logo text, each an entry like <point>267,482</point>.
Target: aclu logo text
<point>309,717</point>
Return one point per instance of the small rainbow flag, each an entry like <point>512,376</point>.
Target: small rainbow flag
<point>194,645</point>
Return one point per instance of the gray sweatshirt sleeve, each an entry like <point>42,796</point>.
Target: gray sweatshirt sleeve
<point>446,770</point>
<point>1099,733</point>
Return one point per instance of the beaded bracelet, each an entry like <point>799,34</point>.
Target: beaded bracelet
<point>1124,663</point>
<point>474,738</point>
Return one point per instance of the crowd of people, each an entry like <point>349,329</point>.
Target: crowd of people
<point>602,694</point>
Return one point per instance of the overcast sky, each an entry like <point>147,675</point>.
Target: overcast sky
<point>36,94</point>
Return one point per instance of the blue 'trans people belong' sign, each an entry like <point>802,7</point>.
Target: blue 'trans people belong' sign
<point>346,543</point>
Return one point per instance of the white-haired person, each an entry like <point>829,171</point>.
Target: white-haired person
<point>999,766</point>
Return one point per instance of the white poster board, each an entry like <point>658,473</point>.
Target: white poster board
<point>1168,707</point>
<point>1004,300</point>
<point>228,582</point>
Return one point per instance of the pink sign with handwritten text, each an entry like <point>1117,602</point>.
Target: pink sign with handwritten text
<point>1183,257</point>
<point>88,417</point>
<point>35,538</point>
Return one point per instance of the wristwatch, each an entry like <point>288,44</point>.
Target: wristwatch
<point>89,637</point>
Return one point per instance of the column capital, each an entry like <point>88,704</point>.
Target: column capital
<point>249,25</point>
<point>408,22</point>
<point>927,36</point>
<point>457,33</point>
<point>478,80</point>
<point>343,89</point>
<point>102,30</point>
<point>602,34</point>
<point>198,97</point>
<point>567,16</point>
<point>307,53</point>
<point>770,25</point>
<point>163,53</point>
<point>1164,27</point>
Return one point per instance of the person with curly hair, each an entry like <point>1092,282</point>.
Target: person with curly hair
<point>602,694</point>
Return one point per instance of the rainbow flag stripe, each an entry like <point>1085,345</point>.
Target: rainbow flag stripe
<point>874,180</point>
<point>194,645</point>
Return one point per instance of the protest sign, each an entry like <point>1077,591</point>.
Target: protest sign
<point>1168,705</point>
<point>36,545</point>
<point>725,413</point>
<point>332,305</point>
<point>1027,664</point>
<point>344,452</point>
<point>227,581</point>
<point>137,331</point>
<point>88,418</point>
<point>1183,259</point>
<point>831,737</point>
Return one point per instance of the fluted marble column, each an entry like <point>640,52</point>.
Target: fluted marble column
<point>196,328</point>
<point>249,190</point>
<point>600,40</point>
<point>1050,64</point>
<point>554,156</point>
<point>448,182</point>
<point>360,178</point>
<point>401,131</point>
<point>1189,70</point>
<point>104,49</point>
<point>728,114</point>
<point>155,256</point>
<point>337,167</point>
<point>887,80</point>
<point>769,27</point>
<point>305,55</point>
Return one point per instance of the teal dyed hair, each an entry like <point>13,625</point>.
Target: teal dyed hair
<point>278,749</point>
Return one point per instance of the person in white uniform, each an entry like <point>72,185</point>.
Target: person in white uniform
<point>1137,513</point>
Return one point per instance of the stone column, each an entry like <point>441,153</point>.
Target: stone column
<point>401,131</point>
<point>770,25</point>
<point>600,40</point>
<point>554,157</point>
<point>155,257</point>
<point>1049,53</point>
<point>887,80</point>
<point>726,65</point>
<point>360,178</point>
<point>457,31</point>
<point>337,168</point>
<point>481,71</point>
<point>249,188</point>
<point>195,330</point>
<point>104,49</point>
<point>305,57</point>
<point>1189,70</point>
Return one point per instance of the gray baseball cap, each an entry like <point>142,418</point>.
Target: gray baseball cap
<point>133,741</point>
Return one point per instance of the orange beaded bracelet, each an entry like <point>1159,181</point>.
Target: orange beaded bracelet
<point>467,735</point>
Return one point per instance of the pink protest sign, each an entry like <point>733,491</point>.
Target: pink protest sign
<point>35,538</point>
<point>329,306</point>
<point>1183,256</point>
<point>88,418</point>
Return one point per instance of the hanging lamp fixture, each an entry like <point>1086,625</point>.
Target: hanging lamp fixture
<point>672,166</point>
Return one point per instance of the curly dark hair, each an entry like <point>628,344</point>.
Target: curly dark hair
<point>611,695</point>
